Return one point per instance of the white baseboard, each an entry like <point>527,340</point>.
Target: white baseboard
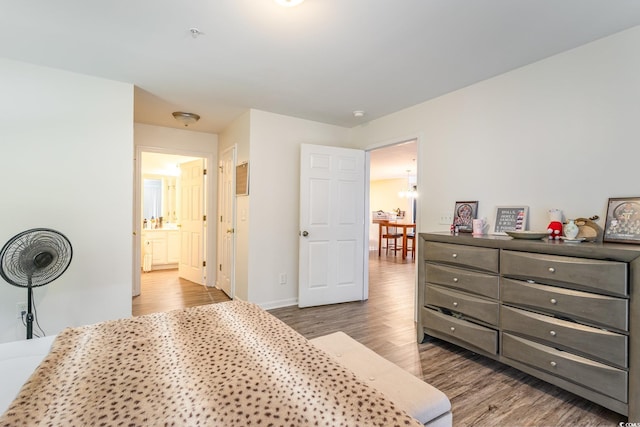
<point>278,304</point>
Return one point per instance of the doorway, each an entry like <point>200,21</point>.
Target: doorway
<point>393,173</point>
<point>166,199</point>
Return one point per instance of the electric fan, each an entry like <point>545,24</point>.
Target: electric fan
<point>34,258</point>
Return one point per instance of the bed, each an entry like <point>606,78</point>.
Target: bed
<point>225,364</point>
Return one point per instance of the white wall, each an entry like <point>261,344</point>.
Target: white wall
<point>175,140</point>
<point>275,198</point>
<point>189,143</point>
<point>560,133</point>
<point>66,143</point>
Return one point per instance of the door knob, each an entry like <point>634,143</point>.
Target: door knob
<point>304,233</point>
<point>229,230</point>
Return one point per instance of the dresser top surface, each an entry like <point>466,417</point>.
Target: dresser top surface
<point>610,251</point>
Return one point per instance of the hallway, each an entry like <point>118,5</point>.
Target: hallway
<point>163,290</point>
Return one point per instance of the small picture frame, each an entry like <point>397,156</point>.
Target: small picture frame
<point>623,220</point>
<point>464,214</point>
<point>510,218</point>
<point>242,179</point>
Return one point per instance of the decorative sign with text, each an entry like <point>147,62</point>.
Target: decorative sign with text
<point>511,218</point>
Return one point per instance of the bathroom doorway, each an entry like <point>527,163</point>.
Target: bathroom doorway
<point>171,212</point>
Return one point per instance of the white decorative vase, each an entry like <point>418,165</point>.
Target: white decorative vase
<point>571,230</point>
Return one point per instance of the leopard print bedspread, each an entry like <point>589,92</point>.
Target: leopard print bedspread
<point>226,364</point>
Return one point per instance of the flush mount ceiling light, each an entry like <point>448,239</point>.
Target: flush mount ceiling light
<point>358,113</point>
<point>288,3</point>
<point>186,118</point>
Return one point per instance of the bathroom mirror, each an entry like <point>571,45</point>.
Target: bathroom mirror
<point>159,198</point>
<point>152,198</point>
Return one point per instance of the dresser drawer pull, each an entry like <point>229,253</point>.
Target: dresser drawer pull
<point>552,333</point>
<point>552,270</point>
<point>453,328</point>
<point>553,301</point>
<point>455,280</point>
<point>455,304</point>
<point>553,364</point>
<point>455,255</point>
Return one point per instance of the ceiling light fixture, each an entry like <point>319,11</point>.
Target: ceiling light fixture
<point>412,190</point>
<point>186,118</point>
<point>289,3</point>
<point>358,113</point>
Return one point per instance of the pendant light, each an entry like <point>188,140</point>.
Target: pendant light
<point>411,192</point>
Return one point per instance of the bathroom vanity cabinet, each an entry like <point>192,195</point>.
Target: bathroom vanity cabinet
<point>164,247</point>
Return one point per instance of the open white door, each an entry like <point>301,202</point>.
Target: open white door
<point>226,229</point>
<point>191,265</point>
<point>332,196</point>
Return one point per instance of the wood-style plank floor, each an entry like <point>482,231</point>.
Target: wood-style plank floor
<point>163,290</point>
<point>483,392</point>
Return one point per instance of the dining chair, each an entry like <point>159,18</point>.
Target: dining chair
<point>391,234</point>
<point>411,244</point>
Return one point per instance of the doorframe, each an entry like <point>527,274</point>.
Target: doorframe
<point>367,191</point>
<point>209,194</point>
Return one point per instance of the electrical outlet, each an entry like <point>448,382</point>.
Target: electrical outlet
<point>21,308</point>
<point>283,278</point>
<point>446,218</point>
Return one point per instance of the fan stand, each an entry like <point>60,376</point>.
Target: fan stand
<point>29,310</point>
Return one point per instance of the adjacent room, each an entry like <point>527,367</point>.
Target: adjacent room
<point>431,203</point>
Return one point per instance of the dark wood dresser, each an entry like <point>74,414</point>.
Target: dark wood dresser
<point>568,313</point>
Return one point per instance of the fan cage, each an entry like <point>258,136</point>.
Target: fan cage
<point>19,257</point>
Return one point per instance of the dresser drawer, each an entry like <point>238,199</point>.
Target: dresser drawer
<point>466,256</point>
<point>592,308</point>
<point>469,281</point>
<point>608,277</point>
<point>596,376</point>
<point>604,345</point>
<point>478,308</point>
<point>485,339</point>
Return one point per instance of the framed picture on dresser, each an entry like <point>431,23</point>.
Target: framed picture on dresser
<point>464,214</point>
<point>511,218</point>
<point>623,220</point>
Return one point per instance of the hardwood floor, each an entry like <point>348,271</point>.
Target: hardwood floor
<point>483,392</point>
<point>163,290</point>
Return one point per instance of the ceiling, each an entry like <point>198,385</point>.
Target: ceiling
<point>319,61</point>
<point>396,161</point>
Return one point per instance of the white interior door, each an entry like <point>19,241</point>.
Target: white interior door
<point>332,197</point>
<point>226,229</point>
<point>191,266</point>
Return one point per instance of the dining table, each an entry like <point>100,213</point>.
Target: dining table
<point>404,225</point>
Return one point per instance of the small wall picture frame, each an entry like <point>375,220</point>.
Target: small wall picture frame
<point>242,179</point>
<point>623,220</point>
<point>464,214</point>
<point>510,218</point>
